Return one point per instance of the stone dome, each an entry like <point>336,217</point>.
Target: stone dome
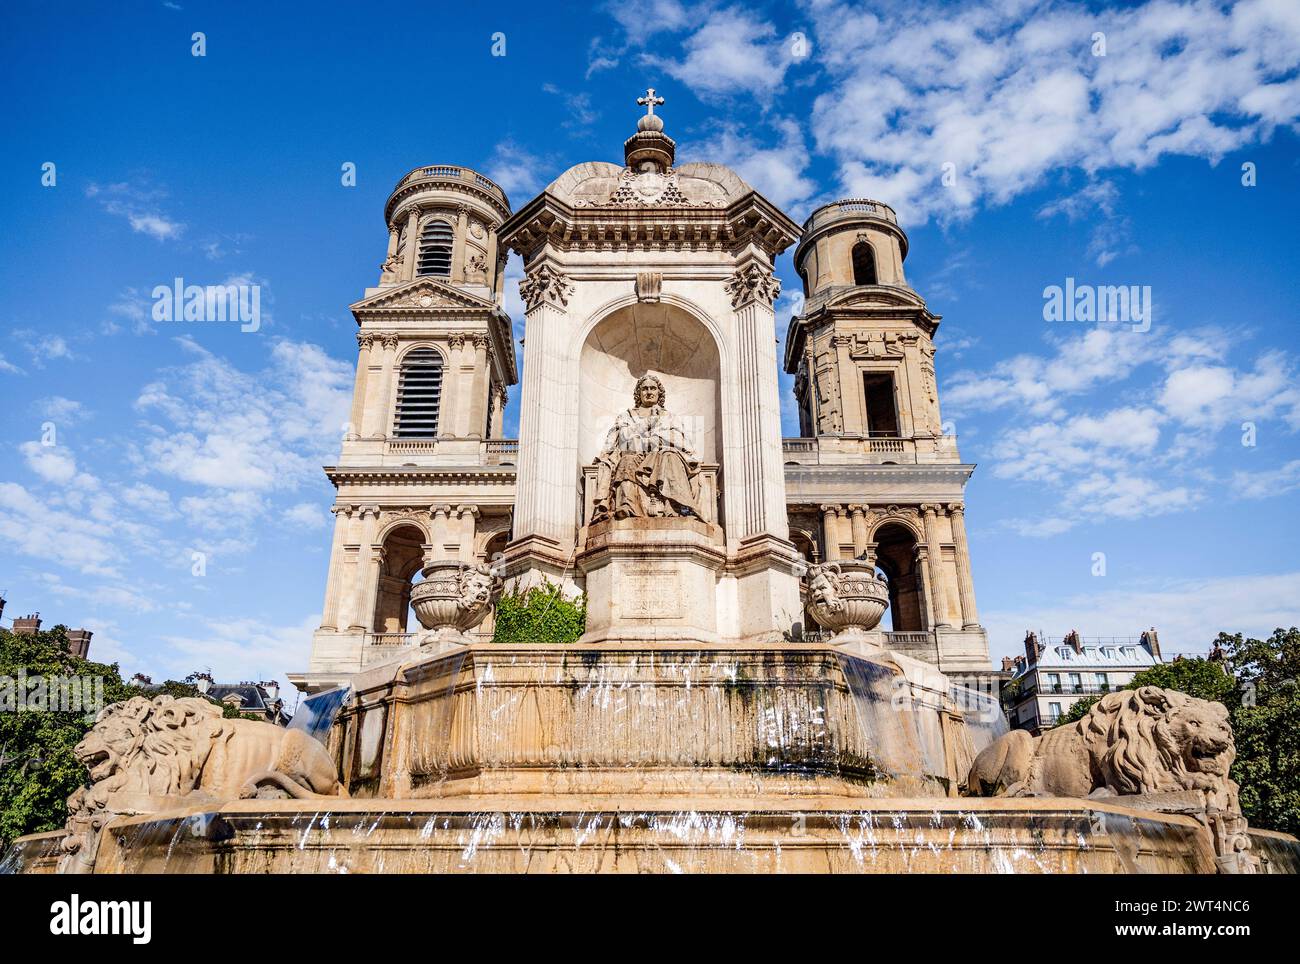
<point>595,182</point>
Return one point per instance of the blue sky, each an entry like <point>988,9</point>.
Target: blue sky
<point>1090,438</point>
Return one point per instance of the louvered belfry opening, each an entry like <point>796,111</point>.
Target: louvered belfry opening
<point>435,250</point>
<point>419,393</point>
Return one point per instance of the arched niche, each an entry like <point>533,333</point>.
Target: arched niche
<point>650,337</point>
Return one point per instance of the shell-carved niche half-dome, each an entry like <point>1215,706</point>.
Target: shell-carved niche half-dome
<point>602,184</point>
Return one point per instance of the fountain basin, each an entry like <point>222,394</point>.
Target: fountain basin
<point>504,834</point>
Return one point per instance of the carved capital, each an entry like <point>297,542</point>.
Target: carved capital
<point>545,284</point>
<point>956,508</point>
<point>457,339</point>
<point>365,340</point>
<point>752,283</point>
<point>389,339</point>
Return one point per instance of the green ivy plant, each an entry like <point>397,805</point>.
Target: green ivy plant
<point>541,614</point>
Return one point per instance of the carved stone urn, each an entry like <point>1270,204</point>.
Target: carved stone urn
<point>452,599</point>
<point>847,597</point>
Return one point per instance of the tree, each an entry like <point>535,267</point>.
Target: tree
<point>40,771</point>
<point>1266,725</point>
<point>1077,711</point>
<point>1205,679</point>
<point>540,615</point>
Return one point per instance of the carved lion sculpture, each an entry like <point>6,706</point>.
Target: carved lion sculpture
<point>1148,740</point>
<point>147,755</point>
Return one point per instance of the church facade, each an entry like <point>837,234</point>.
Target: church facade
<point>638,275</point>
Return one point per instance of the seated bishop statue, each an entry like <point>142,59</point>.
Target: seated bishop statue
<point>647,468</point>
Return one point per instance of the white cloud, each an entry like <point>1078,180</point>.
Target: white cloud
<point>53,463</point>
<point>733,51</point>
<point>43,346</point>
<point>1187,613</point>
<point>308,515</point>
<point>1011,93</point>
<point>1267,483</point>
<point>59,409</point>
<point>240,648</point>
<point>140,206</point>
<point>227,429</point>
<point>515,170</point>
<point>778,173</point>
<point>34,526</point>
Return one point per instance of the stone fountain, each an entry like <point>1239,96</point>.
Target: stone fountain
<point>694,727</point>
<point>671,756</point>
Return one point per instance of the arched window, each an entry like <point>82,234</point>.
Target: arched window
<point>419,392</point>
<point>864,264</point>
<point>435,250</point>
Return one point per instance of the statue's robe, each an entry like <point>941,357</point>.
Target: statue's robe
<point>647,468</point>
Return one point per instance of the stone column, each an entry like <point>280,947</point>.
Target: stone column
<point>493,269</point>
<point>965,585</point>
<point>935,568</point>
<point>441,531</point>
<point>393,232</point>
<point>755,495</point>
<point>499,412</point>
<point>831,531</point>
<point>459,245</point>
<point>333,582</point>
<point>478,396</point>
<point>468,516</point>
<point>924,591</point>
<point>412,244</point>
<point>547,451</point>
<point>365,340</point>
<point>454,419</point>
<point>858,515</point>
<point>368,562</point>
<point>381,407</point>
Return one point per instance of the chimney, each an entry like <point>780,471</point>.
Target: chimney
<point>27,625</point>
<point>1072,640</point>
<point>1008,664</point>
<point>79,642</point>
<point>1031,648</point>
<point>1152,642</point>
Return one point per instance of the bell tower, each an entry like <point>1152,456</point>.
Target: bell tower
<point>873,474</point>
<point>424,473</point>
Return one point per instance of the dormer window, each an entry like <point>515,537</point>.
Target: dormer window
<point>1065,652</point>
<point>435,250</point>
<point>864,264</point>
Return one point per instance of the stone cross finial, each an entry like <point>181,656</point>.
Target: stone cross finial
<point>649,101</point>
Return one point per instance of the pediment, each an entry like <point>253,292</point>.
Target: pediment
<point>420,294</point>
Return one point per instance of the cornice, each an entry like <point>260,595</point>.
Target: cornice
<point>419,474</point>
<point>751,218</point>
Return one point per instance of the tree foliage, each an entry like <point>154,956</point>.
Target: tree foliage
<point>1206,679</point>
<point>39,769</point>
<point>542,614</point>
<point>1266,723</point>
